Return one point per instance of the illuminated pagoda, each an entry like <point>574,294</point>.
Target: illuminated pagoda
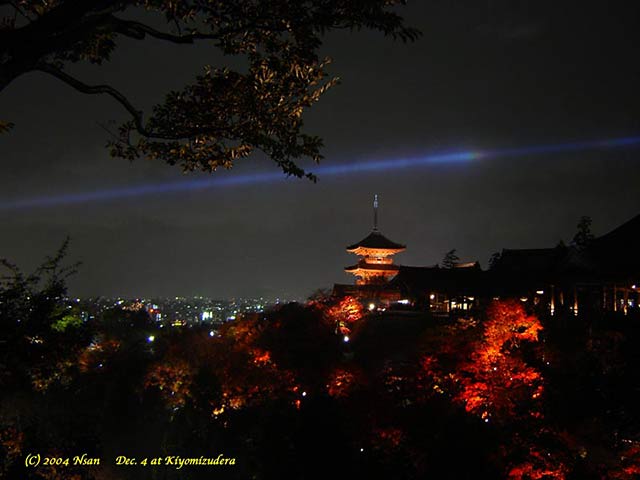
<point>375,266</point>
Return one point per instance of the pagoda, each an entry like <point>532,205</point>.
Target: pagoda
<point>375,251</point>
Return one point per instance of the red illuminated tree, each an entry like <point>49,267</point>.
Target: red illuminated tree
<point>539,465</point>
<point>496,382</point>
<point>629,465</point>
<point>341,312</point>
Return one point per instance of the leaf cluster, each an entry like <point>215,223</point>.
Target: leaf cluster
<point>223,115</point>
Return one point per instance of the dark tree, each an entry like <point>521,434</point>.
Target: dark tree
<point>32,304</point>
<point>450,259</point>
<point>494,260</point>
<point>224,114</point>
<point>583,236</point>
<point>38,329</point>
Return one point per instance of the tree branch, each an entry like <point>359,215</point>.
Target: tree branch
<point>17,9</point>
<point>96,89</point>
<point>139,30</point>
<point>122,100</point>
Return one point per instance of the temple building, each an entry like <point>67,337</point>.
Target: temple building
<point>376,252</point>
<point>567,281</point>
<point>375,267</point>
<point>603,276</point>
<point>443,291</point>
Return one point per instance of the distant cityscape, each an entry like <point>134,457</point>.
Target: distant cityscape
<point>174,311</point>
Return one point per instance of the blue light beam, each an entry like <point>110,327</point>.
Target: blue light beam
<point>462,157</point>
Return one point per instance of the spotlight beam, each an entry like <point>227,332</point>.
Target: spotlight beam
<point>460,157</point>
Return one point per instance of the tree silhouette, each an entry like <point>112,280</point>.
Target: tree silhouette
<point>494,260</point>
<point>224,114</point>
<point>450,259</point>
<point>583,236</point>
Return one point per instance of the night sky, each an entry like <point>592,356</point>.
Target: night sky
<point>484,76</point>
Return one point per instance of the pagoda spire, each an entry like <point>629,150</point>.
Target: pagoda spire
<point>375,213</point>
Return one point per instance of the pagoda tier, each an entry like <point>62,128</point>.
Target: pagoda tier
<point>371,273</point>
<point>376,244</point>
<point>375,265</point>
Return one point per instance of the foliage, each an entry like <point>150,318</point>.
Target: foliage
<point>39,328</point>
<point>342,382</point>
<point>450,259</point>
<point>301,340</point>
<point>67,321</point>
<point>224,115</point>
<point>494,260</point>
<point>497,383</point>
<point>174,379</point>
<point>11,445</point>
<point>583,236</point>
<point>538,466</point>
<point>34,301</point>
<point>405,398</point>
<point>629,466</point>
<point>343,313</point>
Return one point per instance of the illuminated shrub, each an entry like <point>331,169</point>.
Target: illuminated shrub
<point>538,466</point>
<point>173,379</point>
<point>341,383</point>
<point>97,354</point>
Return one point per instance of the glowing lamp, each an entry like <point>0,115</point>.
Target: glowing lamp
<point>345,339</point>
<point>151,338</point>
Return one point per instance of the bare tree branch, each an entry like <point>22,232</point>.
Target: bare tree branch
<point>95,89</point>
<point>18,9</point>
<point>139,30</point>
<point>136,114</point>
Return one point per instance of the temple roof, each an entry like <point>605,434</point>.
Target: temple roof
<point>424,279</point>
<point>376,240</point>
<point>617,251</point>
<point>531,260</point>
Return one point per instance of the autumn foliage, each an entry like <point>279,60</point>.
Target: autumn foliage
<point>340,313</point>
<point>174,379</point>
<point>403,398</point>
<point>496,382</point>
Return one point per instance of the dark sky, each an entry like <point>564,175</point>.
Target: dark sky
<point>485,75</point>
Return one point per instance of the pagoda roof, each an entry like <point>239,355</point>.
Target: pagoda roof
<point>372,266</point>
<point>376,240</point>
